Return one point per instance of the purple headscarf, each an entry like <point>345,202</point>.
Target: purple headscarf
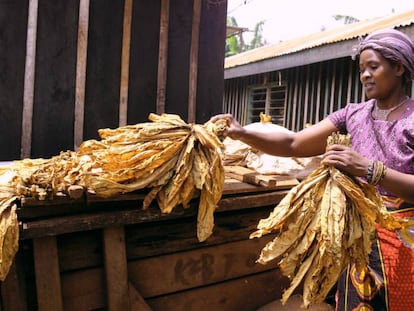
<point>392,45</point>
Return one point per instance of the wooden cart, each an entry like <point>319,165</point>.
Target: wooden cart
<point>95,254</point>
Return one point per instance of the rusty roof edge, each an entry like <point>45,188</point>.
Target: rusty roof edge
<point>315,40</point>
<point>305,57</point>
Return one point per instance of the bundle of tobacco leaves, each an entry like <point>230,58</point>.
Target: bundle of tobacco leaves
<point>174,160</point>
<point>321,225</point>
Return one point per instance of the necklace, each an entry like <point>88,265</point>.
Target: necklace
<point>382,114</point>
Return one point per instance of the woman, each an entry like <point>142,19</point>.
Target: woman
<point>382,152</point>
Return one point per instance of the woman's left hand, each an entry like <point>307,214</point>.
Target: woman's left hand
<point>346,159</point>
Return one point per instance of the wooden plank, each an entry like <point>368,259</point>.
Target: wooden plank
<point>29,79</point>
<point>210,83</point>
<point>247,293</point>
<point>13,43</point>
<point>137,302</point>
<point>95,220</point>
<point>254,200</point>
<point>78,250</point>
<point>232,186</point>
<point>195,268</point>
<point>163,56</point>
<point>83,29</point>
<point>106,18</point>
<point>208,266</point>
<point>54,102</point>
<point>116,269</point>
<point>48,286</point>
<point>84,290</point>
<point>126,42</point>
<point>84,222</point>
<point>13,289</point>
<point>193,70</point>
<point>247,175</point>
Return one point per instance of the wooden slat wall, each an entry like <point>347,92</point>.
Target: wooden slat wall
<point>70,68</point>
<point>12,72</point>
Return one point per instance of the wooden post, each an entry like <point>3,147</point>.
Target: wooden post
<point>81,71</point>
<point>126,42</point>
<point>162,56</point>
<point>29,77</point>
<point>137,301</point>
<point>13,289</point>
<point>116,269</point>
<point>48,285</point>
<point>192,89</point>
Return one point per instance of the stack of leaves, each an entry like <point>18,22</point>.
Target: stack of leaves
<point>9,226</point>
<point>174,160</point>
<point>321,225</point>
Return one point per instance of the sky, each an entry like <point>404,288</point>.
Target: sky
<point>287,19</point>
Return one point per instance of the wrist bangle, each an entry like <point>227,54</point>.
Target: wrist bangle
<point>370,171</point>
<point>376,172</point>
<point>383,172</point>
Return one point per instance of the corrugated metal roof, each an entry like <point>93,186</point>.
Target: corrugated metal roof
<point>338,34</point>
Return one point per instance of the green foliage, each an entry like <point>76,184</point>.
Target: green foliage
<point>257,40</point>
<point>235,43</point>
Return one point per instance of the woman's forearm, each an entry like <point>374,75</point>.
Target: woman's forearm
<point>399,184</point>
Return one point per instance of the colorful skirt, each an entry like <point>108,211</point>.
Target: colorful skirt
<point>389,285</point>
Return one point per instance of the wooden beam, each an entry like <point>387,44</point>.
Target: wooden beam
<point>29,80</point>
<point>126,43</point>
<point>137,301</point>
<point>193,71</point>
<point>246,293</point>
<point>81,72</point>
<point>13,289</point>
<point>96,220</point>
<point>116,269</point>
<point>46,264</point>
<point>163,56</point>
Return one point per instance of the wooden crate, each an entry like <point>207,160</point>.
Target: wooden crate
<point>93,254</point>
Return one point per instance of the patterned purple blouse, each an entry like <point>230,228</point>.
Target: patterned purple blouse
<point>391,142</point>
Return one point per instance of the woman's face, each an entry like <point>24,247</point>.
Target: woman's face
<point>379,76</point>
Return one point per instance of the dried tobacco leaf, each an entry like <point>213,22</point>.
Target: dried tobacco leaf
<point>322,224</point>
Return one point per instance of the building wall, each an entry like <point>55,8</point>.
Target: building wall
<point>313,91</point>
<point>69,68</point>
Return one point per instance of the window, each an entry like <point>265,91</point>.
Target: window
<point>269,100</point>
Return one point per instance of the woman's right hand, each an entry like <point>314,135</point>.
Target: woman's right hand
<point>234,130</point>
